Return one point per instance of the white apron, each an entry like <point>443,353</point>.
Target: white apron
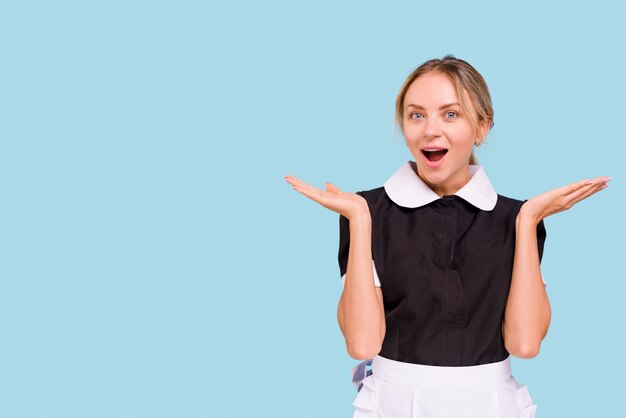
<point>395,389</point>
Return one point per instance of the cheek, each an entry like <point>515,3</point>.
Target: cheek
<point>462,136</point>
<point>412,132</point>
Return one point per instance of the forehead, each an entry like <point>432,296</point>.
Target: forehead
<point>431,90</point>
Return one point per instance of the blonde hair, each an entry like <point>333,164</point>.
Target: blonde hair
<point>465,79</point>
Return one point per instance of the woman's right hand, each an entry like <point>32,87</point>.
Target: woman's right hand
<point>347,204</point>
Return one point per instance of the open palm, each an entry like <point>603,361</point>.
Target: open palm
<point>562,198</point>
<point>345,203</point>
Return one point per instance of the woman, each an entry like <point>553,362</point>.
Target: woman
<point>458,264</point>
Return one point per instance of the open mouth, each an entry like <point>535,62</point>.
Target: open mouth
<point>434,154</point>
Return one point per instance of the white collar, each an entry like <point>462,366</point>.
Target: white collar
<point>407,189</point>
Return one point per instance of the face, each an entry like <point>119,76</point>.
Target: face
<point>439,134</point>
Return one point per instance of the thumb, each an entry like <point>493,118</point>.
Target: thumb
<point>332,188</point>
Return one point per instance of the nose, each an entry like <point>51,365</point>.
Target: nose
<point>431,128</point>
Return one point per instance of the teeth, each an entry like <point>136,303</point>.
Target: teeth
<point>433,149</point>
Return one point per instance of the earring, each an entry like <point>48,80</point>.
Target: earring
<point>476,144</point>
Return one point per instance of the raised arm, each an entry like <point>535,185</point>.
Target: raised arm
<point>527,313</point>
<point>360,311</point>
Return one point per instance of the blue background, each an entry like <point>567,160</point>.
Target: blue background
<point>154,263</point>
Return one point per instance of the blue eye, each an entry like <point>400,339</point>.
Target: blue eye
<point>411,116</point>
<point>453,112</point>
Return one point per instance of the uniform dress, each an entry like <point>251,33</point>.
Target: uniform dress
<point>444,265</point>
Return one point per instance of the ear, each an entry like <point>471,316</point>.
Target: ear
<point>483,130</point>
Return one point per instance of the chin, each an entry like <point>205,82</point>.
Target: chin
<point>438,179</point>
<point>433,177</point>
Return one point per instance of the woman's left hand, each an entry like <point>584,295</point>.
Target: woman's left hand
<point>562,198</point>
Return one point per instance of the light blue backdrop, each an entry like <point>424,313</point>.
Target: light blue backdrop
<point>155,264</point>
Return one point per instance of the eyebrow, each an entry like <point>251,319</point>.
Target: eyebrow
<point>440,107</point>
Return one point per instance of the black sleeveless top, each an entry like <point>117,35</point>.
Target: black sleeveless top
<point>444,267</point>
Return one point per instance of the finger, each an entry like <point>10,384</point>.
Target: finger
<point>590,188</point>
<point>574,196</point>
<point>300,185</point>
<point>571,188</point>
<point>294,180</point>
<point>320,196</point>
<point>307,190</point>
<point>582,183</point>
<point>290,179</point>
<point>572,201</point>
<point>332,188</point>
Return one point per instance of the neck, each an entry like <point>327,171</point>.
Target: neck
<point>455,183</point>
